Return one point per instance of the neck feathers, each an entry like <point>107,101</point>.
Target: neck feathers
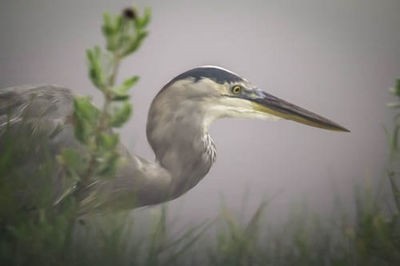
<point>180,142</point>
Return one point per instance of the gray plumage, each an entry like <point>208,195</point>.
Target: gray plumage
<point>177,125</point>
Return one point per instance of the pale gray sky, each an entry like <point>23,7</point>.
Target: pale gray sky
<point>336,58</point>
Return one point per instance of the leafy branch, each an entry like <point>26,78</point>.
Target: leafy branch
<point>94,126</point>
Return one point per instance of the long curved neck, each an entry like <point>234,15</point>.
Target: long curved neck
<point>181,144</point>
<point>184,155</point>
<point>177,133</point>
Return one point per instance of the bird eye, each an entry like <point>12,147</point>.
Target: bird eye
<point>236,89</point>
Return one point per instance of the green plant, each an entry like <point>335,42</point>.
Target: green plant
<point>93,126</point>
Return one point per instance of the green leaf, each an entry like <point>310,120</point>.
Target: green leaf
<point>108,165</point>
<point>129,83</point>
<point>135,44</point>
<point>142,22</point>
<point>73,159</point>
<point>107,28</point>
<point>118,23</point>
<point>120,97</point>
<point>85,118</point>
<point>121,115</point>
<point>109,32</point>
<point>147,17</point>
<point>108,141</point>
<point>95,69</point>
<point>113,30</point>
<point>85,110</point>
<point>82,130</point>
<point>120,91</point>
<point>74,162</point>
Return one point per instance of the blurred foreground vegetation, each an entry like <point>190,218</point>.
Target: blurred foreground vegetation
<point>36,231</point>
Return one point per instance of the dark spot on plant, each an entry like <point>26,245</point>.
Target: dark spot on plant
<point>129,13</point>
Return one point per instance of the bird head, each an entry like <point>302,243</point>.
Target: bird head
<point>217,93</point>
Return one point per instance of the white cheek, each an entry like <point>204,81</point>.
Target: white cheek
<point>257,115</point>
<point>234,108</point>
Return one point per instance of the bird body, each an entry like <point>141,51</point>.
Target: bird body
<point>177,131</point>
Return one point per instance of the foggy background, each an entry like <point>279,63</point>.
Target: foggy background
<point>335,58</point>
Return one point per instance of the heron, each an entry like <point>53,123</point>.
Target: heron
<point>177,130</point>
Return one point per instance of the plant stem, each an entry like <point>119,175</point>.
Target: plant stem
<point>101,125</point>
<point>116,62</point>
